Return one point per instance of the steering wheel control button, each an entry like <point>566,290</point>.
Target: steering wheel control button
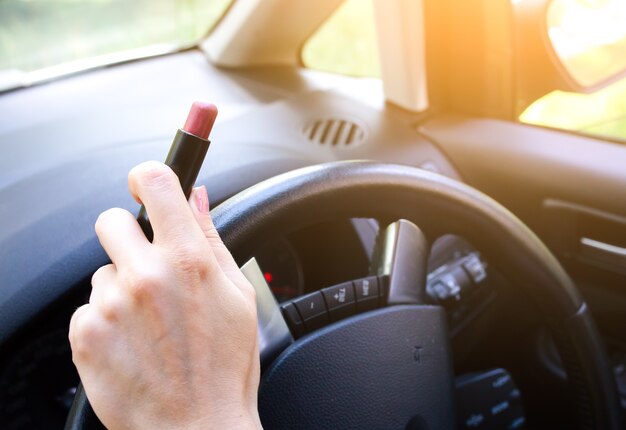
<point>500,408</point>
<point>517,423</point>
<point>489,400</point>
<point>450,285</point>
<point>439,291</point>
<point>340,300</point>
<point>475,421</point>
<point>501,381</point>
<point>293,319</point>
<point>367,293</point>
<point>475,268</point>
<point>446,289</point>
<point>312,309</point>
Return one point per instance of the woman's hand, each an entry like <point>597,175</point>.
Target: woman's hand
<point>169,337</point>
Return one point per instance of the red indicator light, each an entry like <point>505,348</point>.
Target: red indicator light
<point>268,277</point>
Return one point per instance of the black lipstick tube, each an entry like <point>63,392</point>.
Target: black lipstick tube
<point>185,158</point>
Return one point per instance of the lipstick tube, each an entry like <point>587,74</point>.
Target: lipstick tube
<point>186,154</point>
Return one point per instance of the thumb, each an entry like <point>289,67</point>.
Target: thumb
<point>199,203</point>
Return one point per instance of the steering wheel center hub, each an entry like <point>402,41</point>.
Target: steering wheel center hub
<point>382,369</point>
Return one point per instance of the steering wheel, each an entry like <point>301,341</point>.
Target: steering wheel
<point>363,372</point>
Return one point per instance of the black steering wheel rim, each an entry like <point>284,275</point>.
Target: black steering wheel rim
<point>439,205</point>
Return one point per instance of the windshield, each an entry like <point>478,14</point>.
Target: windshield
<point>44,39</point>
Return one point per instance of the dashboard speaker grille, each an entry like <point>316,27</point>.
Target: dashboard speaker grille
<point>334,132</point>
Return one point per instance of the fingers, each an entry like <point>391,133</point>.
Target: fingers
<point>199,204</point>
<point>120,235</point>
<point>158,188</point>
<point>103,279</point>
<point>74,322</point>
<point>86,331</point>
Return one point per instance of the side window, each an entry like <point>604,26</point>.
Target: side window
<point>346,42</point>
<point>589,39</point>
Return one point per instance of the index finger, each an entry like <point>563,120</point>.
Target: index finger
<point>158,188</point>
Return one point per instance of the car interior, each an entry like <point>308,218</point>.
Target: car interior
<point>467,267</point>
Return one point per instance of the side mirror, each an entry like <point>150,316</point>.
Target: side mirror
<point>569,45</point>
<point>589,39</point>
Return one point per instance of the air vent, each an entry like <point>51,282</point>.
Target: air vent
<point>334,132</point>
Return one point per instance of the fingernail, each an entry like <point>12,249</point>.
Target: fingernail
<point>202,199</point>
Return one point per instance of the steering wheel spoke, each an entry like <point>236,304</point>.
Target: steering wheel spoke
<point>401,256</point>
<point>274,335</point>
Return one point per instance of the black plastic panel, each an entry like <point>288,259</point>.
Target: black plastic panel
<point>385,369</point>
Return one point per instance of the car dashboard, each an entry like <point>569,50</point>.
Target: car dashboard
<point>53,190</point>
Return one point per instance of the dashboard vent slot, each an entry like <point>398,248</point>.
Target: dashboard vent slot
<point>334,132</point>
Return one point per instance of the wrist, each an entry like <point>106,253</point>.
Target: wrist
<point>232,418</point>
